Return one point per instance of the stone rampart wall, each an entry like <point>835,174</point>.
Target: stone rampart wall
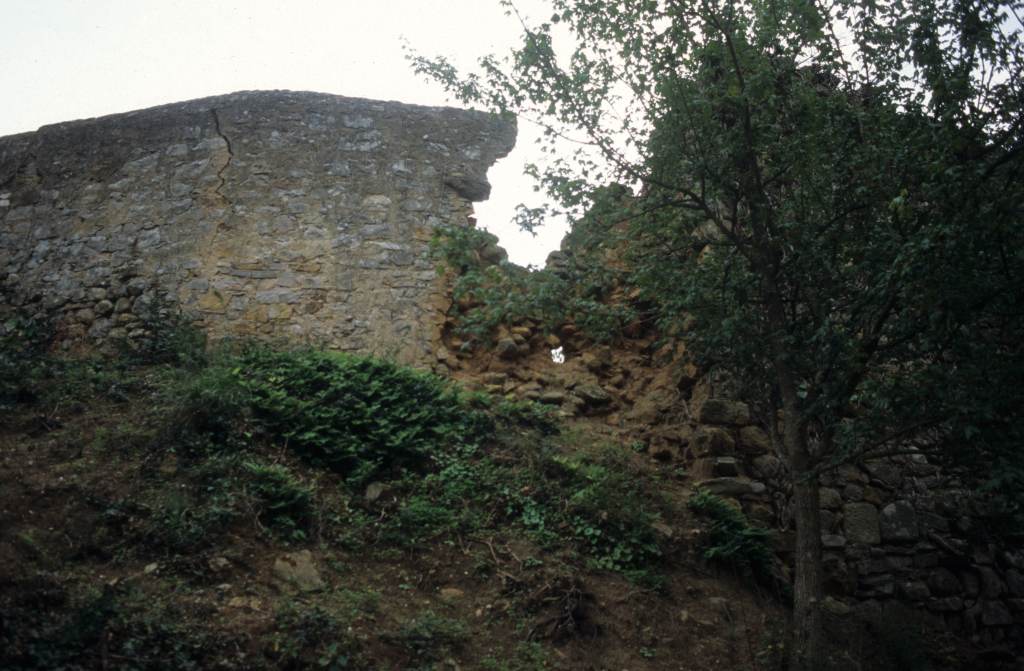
<point>266,214</point>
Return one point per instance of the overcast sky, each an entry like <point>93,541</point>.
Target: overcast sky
<point>74,59</point>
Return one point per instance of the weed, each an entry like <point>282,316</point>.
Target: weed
<point>600,500</point>
<point>285,503</point>
<point>28,542</point>
<point>365,602</point>
<point>496,293</point>
<point>418,520</point>
<point>527,656</point>
<point>607,512</point>
<point>170,337</point>
<point>647,579</point>
<point>211,405</point>
<point>732,540</point>
<point>312,637</point>
<point>187,518</point>
<point>534,516</point>
<point>108,627</point>
<point>182,524</point>
<point>532,562</point>
<point>352,531</point>
<point>23,361</point>
<point>428,636</point>
<point>124,438</point>
<point>528,414</point>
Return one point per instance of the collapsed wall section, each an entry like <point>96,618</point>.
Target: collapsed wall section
<point>298,216</point>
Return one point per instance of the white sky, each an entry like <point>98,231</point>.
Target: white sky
<point>71,59</point>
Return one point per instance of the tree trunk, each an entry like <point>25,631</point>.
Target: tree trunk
<point>808,648</point>
<point>808,652</point>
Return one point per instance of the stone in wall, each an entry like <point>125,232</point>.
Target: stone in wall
<point>296,216</point>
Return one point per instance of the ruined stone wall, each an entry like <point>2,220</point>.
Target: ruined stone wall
<point>895,530</point>
<point>270,214</point>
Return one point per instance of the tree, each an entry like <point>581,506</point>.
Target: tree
<point>827,205</point>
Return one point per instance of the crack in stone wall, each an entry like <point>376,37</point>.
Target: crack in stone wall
<point>318,233</point>
<point>227,163</point>
<point>208,253</point>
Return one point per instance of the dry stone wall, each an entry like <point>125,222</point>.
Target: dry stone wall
<point>299,216</point>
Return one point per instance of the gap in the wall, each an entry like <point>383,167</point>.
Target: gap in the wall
<point>509,188</point>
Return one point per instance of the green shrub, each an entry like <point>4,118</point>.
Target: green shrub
<point>731,539</point>
<point>23,360</point>
<point>312,637</point>
<point>418,520</point>
<point>498,293</point>
<point>128,628</point>
<point>92,377</point>
<point>193,517</point>
<point>211,403</point>
<point>527,414</point>
<point>285,504</point>
<point>601,501</point>
<point>170,337</point>
<point>184,524</point>
<point>608,515</point>
<point>356,415</point>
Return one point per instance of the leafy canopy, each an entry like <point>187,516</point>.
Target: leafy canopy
<point>825,195</point>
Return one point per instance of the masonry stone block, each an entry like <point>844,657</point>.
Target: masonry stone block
<point>899,522</point>
<point>860,523</point>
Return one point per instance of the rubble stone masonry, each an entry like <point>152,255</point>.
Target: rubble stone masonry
<point>274,214</point>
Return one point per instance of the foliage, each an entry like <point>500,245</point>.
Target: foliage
<point>356,415</point>
<point>210,405</point>
<point>170,337</point>
<point>285,503</point>
<point>418,520</point>
<point>108,624</point>
<point>188,518</point>
<point>802,206</point>
<point>597,503</point>
<point>308,636</point>
<point>519,415</point>
<point>731,539</point>
<point>436,447</point>
<point>370,418</point>
<point>23,343</point>
<point>600,501</point>
<point>528,657</point>
<point>490,295</point>
<point>30,372</point>
<point>71,378</point>
<point>429,636</point>
<point>205,463</point>
<point>828,207</point>
<point>607,514</point>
